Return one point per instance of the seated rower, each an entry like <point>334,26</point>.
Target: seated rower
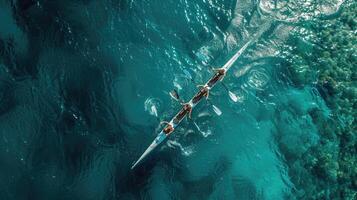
<point>218,76</point>
<point>169,128</point>
<point>204,91</point>
<point>221,72</point>
<point>188,108</point>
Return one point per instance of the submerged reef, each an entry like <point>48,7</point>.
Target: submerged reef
<point>324,56</point>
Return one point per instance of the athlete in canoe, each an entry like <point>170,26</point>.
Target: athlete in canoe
<point>168,129</point>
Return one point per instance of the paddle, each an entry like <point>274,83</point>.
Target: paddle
<point>215,108</point>
<point>174,94</point>
<point>231,94</point>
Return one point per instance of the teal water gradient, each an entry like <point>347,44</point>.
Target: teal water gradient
<point>84,85</point>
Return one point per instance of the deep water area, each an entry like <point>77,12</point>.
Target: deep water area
<point>84,85</point>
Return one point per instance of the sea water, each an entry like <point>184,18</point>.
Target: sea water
<point>85,84</point>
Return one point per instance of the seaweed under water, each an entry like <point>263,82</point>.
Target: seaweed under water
<point>84,85</point>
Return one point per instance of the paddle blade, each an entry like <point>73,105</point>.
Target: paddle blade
<point>233,96</point>
<point>198,128</point>
<point>174,95</point>
<point>217,110</point>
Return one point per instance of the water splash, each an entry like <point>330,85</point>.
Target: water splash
<point>204,133</point>
<point>151,105</point>
<point>186,151</point>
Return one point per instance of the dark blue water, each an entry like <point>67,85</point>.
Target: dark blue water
<point>84,85</point>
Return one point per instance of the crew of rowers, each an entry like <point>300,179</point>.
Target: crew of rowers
<point>187,107</point>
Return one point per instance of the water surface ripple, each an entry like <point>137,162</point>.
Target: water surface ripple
<point>84,85</point>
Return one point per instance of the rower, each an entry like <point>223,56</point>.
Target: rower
<point>188,108</point>
<point>218,76</point>
<point>204,90</point>
<point>169,128</point>
<point>221,72</point>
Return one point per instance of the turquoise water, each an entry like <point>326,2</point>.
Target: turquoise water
<point>84,85</point>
